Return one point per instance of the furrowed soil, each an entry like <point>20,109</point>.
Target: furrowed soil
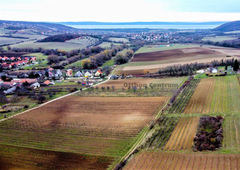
<point>18,158</point>
<point>179,161</point>
<point>183,134</point>
<point>106,126</point>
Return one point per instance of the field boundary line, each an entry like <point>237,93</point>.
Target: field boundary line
<point>52,101</point>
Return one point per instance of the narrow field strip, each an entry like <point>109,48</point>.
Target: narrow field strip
<point>179,161</point>
<point>183,134</point>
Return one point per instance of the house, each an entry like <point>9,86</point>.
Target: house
<point>214,70</point>
<point>87,74</point>
<point>200,71</point>
<point>35,85</point>
<point>98,73</point>
<point>12,58</point>
<point>5,58</point>
<point>69,73</point>
<point>19,58</point>
<point>1,81</point>
<point>47,82</point>
<point>6,66</point>
<point>78,74</point>
<point>10,91</point>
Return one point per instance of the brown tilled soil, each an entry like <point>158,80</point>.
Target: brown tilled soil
<point>17,158</point>
<point>173,161</point>
<point>97,111</point>
<point>171,54</point>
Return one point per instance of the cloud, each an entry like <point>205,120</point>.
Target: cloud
<point>109,11</point>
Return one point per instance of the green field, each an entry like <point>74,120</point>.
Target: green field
<point>231,132</point>
<point>6,40</point>
<point>119,39</point>
<point>30,36</point>
<point>83,41</point>
<point>50,45</point>
<point>218,38</point>
<point>153,48</point>
<point>107,44</point>
<point>39,56</point>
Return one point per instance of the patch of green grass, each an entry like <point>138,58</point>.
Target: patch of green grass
<point>39,56</point>
<point>107,44</point>
<point>219,38</point>
<point>50,45</point>
<point>119,39</point>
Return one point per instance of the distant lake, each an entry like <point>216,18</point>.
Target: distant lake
<point>144,26</point>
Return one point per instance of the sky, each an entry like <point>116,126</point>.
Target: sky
<point>120,10</point>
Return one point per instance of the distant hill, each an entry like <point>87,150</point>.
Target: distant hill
<point>140,23</point>
<point>230,26</point>
<point>16,25</point>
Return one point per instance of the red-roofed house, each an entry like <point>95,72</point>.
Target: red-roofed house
<point>97,74</point>
<point>6,66</point>
<point>19,58</point>
<point>5,58</point>
<point>12,58</point>
<point>1,81</point>
<point>0,58</point>
<point>47,82</point>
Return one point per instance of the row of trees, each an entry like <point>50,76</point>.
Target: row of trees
<point>121,58</point>
<point>188,69</point>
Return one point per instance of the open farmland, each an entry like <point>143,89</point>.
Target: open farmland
<point>153,61</point>
<point>182,100</point>
<point>231,140</point>
<point>67,46</point>
<point>6,40</point>
<point>107,44</point>
<point>183,134</point>
<point>216,96</point>
<point>179,161</point>
<point>219,38</point>
<point>39,56</point>
<point>164,129</point>
<point>126,82</point>
<point>89,125</point>
<point>119,39</point>
<point>34,159</point>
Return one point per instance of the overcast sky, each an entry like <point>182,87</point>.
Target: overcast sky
<point>120,10</point>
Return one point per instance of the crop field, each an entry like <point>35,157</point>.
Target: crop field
<point>107,44</point>
<point>79,124</point>
<point>179,54</point>
<point>12,158</point>
<point>119,83</point>
<point>183,134</point>
<point>231,140</point>
<point>50,45</point>
<point>161,59</point>
<point>219,95</point>
<point>219,38</point>
<point>153,48</point>
<point>6,40</point>
<point>183,99</point>
<point>119,39</point>
<point>179,161</point>
<point>172,54</point>
<point>163,132</point>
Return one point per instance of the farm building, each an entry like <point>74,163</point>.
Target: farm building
<point>10,91</point>
<point>214,70</point>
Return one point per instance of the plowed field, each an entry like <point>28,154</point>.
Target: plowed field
<point>179,161</point>
<point>183,134</point>
<point>92,125</point>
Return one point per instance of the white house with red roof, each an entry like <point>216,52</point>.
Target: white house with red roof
<point>98,73</point>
